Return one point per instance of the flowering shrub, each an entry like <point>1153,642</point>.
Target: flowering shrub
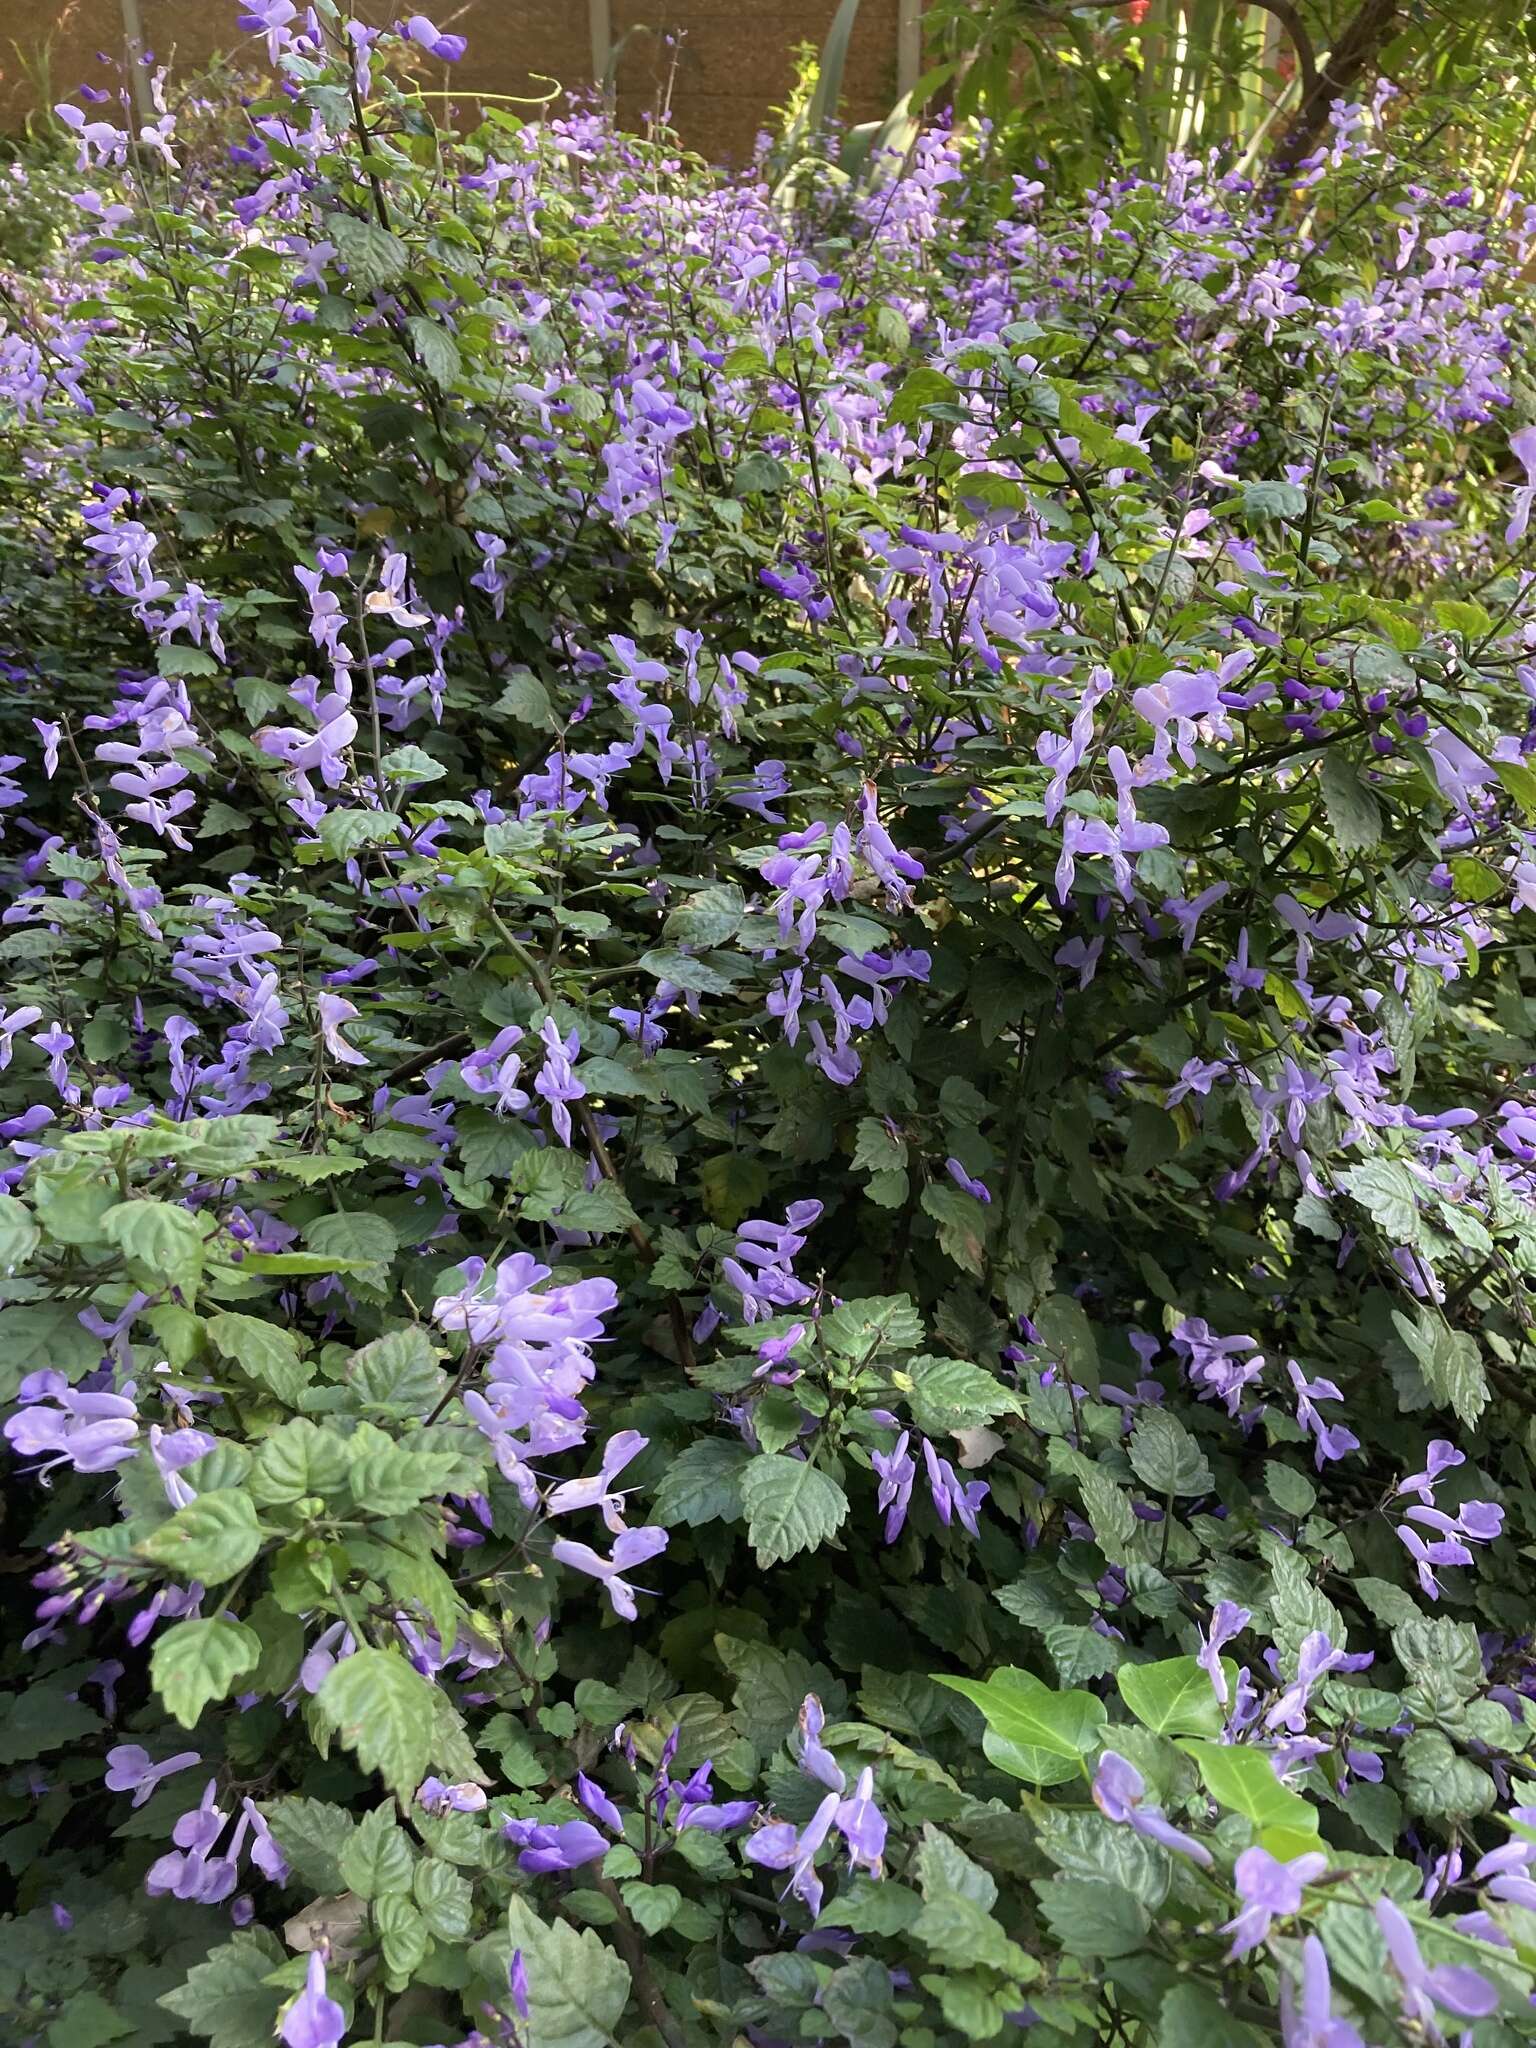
<point>768,1142</point>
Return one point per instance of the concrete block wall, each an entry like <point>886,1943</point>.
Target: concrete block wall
<point>727,62</point>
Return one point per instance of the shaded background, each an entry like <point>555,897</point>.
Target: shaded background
<point>729,61</point>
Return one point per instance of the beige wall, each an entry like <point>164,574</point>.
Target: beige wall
<point>730,60</point>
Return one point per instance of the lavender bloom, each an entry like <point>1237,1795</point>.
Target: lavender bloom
<point>313,2020</point>
<point>780,1846</point>
<point>717,1820</point>
<point>598,1491</point>
<point>1227,1621</point>
<point>897,1470</point>
<point>862,1826</point>
<point>556,1081</point>
<point>635,1546</point>
<point>89,1432</point>
<point>436,1798</point>
<point>1315,1659</point>
<point>598,1804</point>
<point>1310,2024</point>
<point>1118,1792</point>
<point>517,1984</point>
<point>816,1761</point>
<point>1522,445</point>
<point>952,1496</point>
<point>334,1012</point>
<point>551,1845</point>
<point>1455,1986</point>
<point>1269,1890</point>
<point>962,1179</point>
<point>129,1769</point>
<point>760,1269</point>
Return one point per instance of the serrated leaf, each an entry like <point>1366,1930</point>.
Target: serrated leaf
<point>198,1661</point>
<point>791,1505</point>
<point>227,1997</point>
<point>211,1538</point>
<point>577,1986</point>
<point>377,1857</point>
<point>382,1709</point>
<point>161,1241</point>
<point>265,1352</point>
<point>1165,1457</point>
<point>313,1836</point>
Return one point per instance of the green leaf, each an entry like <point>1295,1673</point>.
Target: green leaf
<point>227,1997</point>
<point>397,1375</point>
<point>1033,1732</point>
<point>1092,1920</point>
<point>1354,815</point>
<point>372,254</point>
<point>313,1836</point>
<point>1520,783</point>
<point>296,1460</point>
<point>708,917</point>
<point>1173,1697</point>
<point>1244,1779</point>
<point>377,1859</point>
<point>402,1934</point>
<point>40,1720</point>
<point>1474,881</point>
<point>920,387</point>
<point>1068,1336</point>
<point>1165,1457</point>
<point>394,1479</point>
<point>857,2001</point>
<point>1449,1360</point>
<point>962,1933</point>
<point>161,1241</point>
<point>715,976</point>
<point>703,1483</point>
<point>265,1352</point>
<point>444,1899</point>
<point>790,1506</point>
<point>211,1538</point>
<point>436,350</point>
<point>1270,499</point>
<point>577,1986</point>
<point>1389,1192</point>
<point>88,2022</point>
<point>949,1394</point>
<point>651,1906</point>
<point>357,1237</point>
<point>19,1234</point>
<point>198,1661</point>
<point>382,1709</point>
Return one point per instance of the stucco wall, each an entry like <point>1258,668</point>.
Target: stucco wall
<point>729,61</point>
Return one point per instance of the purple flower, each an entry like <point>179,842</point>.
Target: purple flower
<point>598,1804</point>
<point>1227,1621</point>
<point>334,1012</point>
<point>897,1470</point>
<point>1269,1890</point>
<point>597,1491</point>
<point>129,1769</point>
<point>556,1081</point>
<point>1522,445</point>
<point>1118,1792</point>
<point>635,1546</point>
<point>313,2020</point>
<point>554,1845</point>
<point>1455,1986</point>
<point>434,1797</point>
<point>517,1984</point>
<point>91,1432</point>
<point>780,1846</point>
<point>1310,2024</point>
<point>952,1496</point>
<point>816,1761</point>
<point>962,1179</point>
<point>862,1826</point>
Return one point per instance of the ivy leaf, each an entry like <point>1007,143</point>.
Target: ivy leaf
<point>1173,1697</point>
<point>577,1986</point>
<point>1244,1780</point>
<point>198,1661</point>
<point>791,1505</point>
<point>382,1709</point>
<point>1033,1732</point>
<point>211,1538</point>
